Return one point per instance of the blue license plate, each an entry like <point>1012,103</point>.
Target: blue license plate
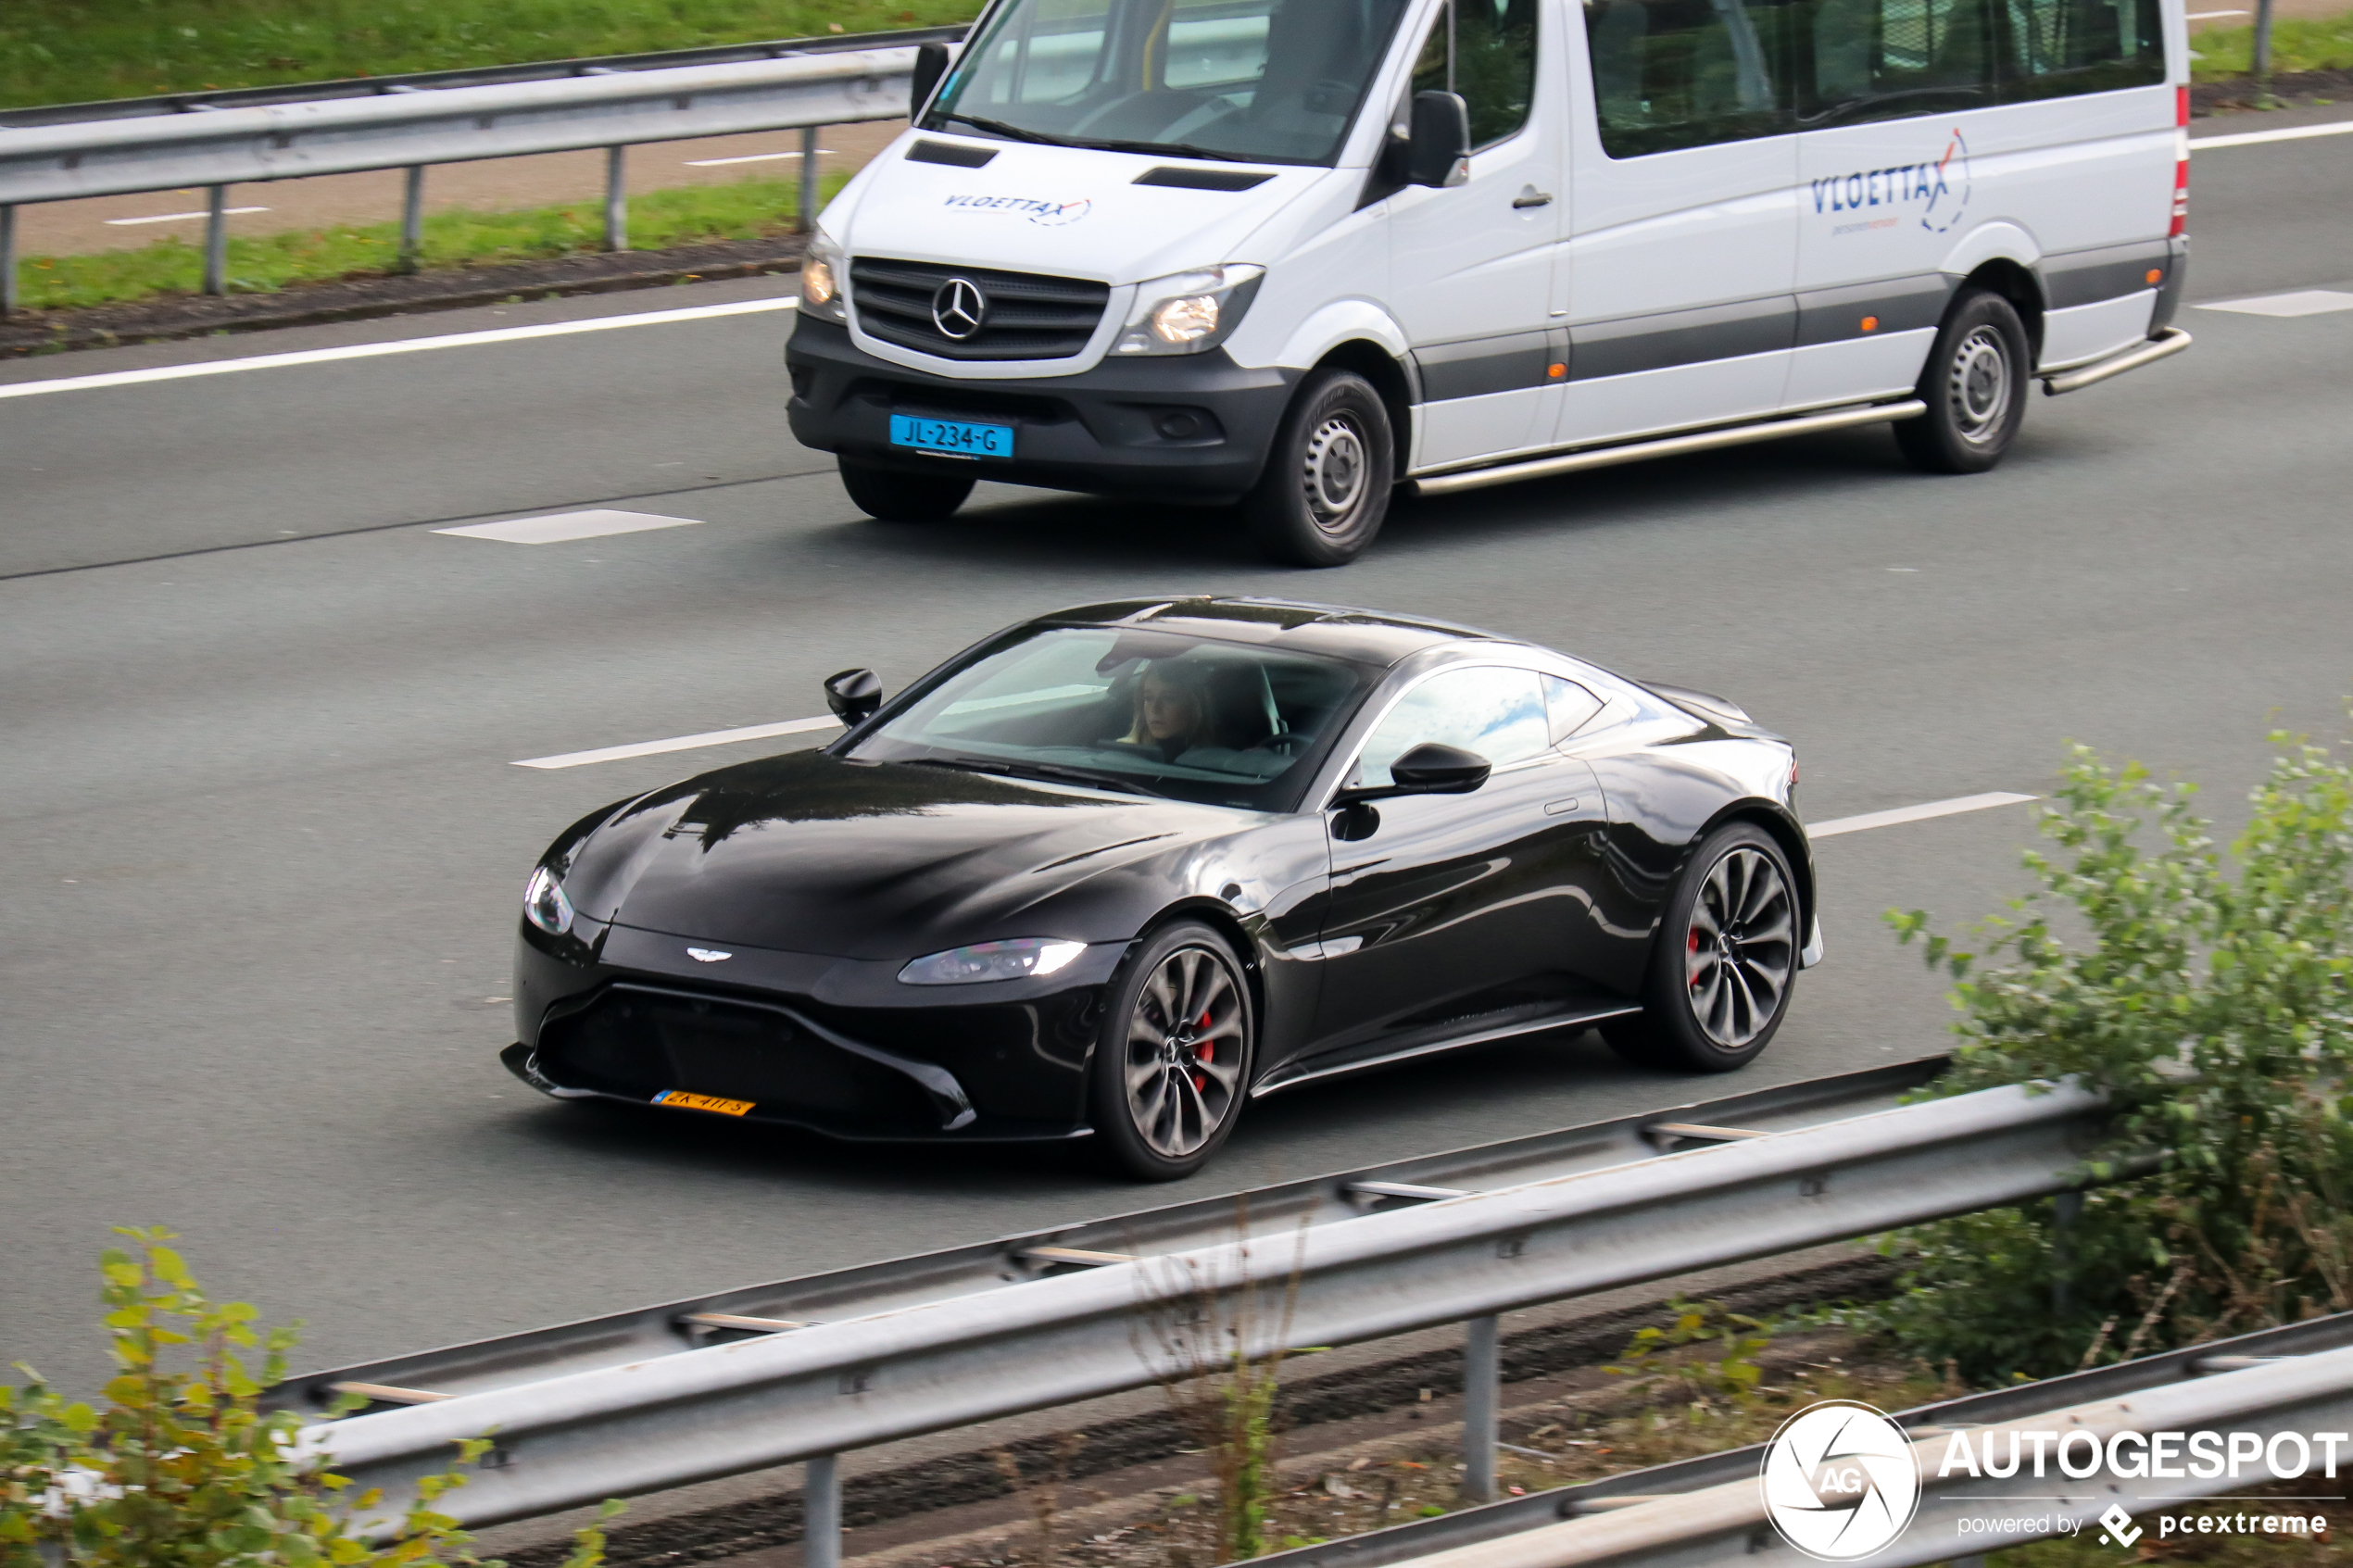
<point>954,436</point>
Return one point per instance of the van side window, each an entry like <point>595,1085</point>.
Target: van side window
<point>2054,47</point>
<point>1494,67</point>
<point>1884,59</point>
<point>1687,73</point>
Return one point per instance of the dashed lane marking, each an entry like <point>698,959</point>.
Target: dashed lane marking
<point>399,346</point>
<point>2286,133</point>
<point>558,527</point>
<point>177,216</point>
<point>2303,302</point>
<point>1952,808</point>
<point>682,742</point>
<point>750,158</point>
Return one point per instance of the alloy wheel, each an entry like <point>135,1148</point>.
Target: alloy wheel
<point>1741,947</point>
<point>1185,1052</point>
<point>1980,385</point>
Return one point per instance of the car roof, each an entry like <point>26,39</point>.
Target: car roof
<point>1366,636</point>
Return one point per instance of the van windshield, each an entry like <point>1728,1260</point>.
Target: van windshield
<point>1248,81</point>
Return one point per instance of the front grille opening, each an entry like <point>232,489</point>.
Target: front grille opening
<point>638,1043</point>
<point>1028,316</point>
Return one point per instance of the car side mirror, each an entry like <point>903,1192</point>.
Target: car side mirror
<point>931,64</point>
<point>1437,141</point>
<point>1427,769</point>
<point>853,694</point>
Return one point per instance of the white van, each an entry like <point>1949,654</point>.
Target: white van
<point>1298,254</point>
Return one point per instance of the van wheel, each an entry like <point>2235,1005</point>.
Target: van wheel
<point>1974,386</point>
<point>898,495</point>
<point>1326,485</point>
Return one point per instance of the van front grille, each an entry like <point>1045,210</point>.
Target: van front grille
<point>1025,315</point>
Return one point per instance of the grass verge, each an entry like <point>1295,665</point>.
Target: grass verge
<point>2320,44</point>
<point>459,238</point>
<point>71,51</point>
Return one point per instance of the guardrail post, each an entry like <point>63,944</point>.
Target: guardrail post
<point>413,217</point>
<point>1482,1381</point>
<point>7,260</point>
<point>216,240</point>
<point>616,199</point>
<point>808,220</point>
<point>821,1513</point>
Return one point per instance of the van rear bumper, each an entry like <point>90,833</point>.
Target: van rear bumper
<point>1195,428</point>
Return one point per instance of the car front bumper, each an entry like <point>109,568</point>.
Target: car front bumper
<point>1190,428</point>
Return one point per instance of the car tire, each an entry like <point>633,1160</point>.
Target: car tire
<point>1731,931</point>
<point>1165,1087</point>
<point>1326,482</point>
<point>902,495</point>
<point>1974,385</point>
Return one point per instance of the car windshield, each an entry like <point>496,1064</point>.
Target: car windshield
<point>1155,712</point>
<point>1250,81</point>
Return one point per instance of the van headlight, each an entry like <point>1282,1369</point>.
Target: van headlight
<point>543,904</point>
<point>1190,312</point>
<point>824,279</point>
<point>1014,959</point>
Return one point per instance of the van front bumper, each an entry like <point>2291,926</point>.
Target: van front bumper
<point>1192,428</point>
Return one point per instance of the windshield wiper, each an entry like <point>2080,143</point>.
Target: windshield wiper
<point>1169,149</point>
<point>998,128</point>
<point>1046,771</point>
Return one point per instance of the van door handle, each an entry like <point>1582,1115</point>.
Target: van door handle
<point>1531,196</point>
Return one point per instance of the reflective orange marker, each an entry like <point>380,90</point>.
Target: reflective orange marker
<point>2157,275</point>
<point>1555,372</point>
<point>1870,324</point>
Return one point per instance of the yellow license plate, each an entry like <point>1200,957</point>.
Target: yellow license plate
<point>682,1100</point>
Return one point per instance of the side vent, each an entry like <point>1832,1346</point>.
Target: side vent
<point>1203,179</point>
<point>950,153</point>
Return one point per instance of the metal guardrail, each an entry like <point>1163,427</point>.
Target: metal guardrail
<point>2256,1386</point>
<point>228,139</point>
<point>1425,1540</point>
<point>812,1393</point>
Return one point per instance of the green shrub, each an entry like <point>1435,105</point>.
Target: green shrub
<point>181,1467</point>
<point>2213,1001</point>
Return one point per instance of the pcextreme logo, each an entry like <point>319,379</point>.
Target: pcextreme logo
<point>1941,188</point>
<point>1839,1481</point>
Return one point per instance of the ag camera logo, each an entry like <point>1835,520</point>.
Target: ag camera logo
<point>1839,1481</point>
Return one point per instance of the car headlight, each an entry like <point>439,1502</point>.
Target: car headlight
<point>1190,312</point>
<point>824,279</point>
<point>1013,960</point>
<point>543,904</point>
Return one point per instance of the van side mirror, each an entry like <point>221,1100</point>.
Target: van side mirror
<point>853,694</point>
<point>931,64</point>
<point>1427,769</point>
<point>1437,141</point>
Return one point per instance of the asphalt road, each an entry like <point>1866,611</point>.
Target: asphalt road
<point>263,837</point>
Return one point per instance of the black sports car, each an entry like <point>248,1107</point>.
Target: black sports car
<point>1118,870</point>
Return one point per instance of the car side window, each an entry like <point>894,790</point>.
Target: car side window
<point>1494,66</point>
<point>1567,707</point>
<point>1497,713</point>
<point>2053,47</point>
<point>1688,73</point>
<point>1880,60</point>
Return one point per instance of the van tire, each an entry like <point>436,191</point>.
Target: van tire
<point>1327,483</point>
<point>900,495</point>
<point>1974,386</point>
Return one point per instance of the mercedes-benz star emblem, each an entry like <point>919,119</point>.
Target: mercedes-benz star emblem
<point>958,307</point>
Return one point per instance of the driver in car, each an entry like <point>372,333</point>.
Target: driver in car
<point>1172,710</point>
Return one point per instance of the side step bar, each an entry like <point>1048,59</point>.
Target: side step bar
<point>1670,446</point>
<point>2165,345</point>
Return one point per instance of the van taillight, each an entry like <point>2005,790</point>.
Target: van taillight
<point>2181,163</point>
<point>2181,107</point>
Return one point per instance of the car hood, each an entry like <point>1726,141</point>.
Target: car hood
<point>810,853</point>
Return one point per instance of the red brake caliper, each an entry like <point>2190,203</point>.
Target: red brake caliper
<point>1205,1051</point>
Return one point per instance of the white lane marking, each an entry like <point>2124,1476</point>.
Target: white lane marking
<point>750,158</point>
<point>2207,16</point>
<point>1953,808</point>
<point>2288,134</point>
<point>2303,302</point>
<point>558,527</point>
<point>682,742</point>
<point>399,346</point>
<point>176,216</point>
